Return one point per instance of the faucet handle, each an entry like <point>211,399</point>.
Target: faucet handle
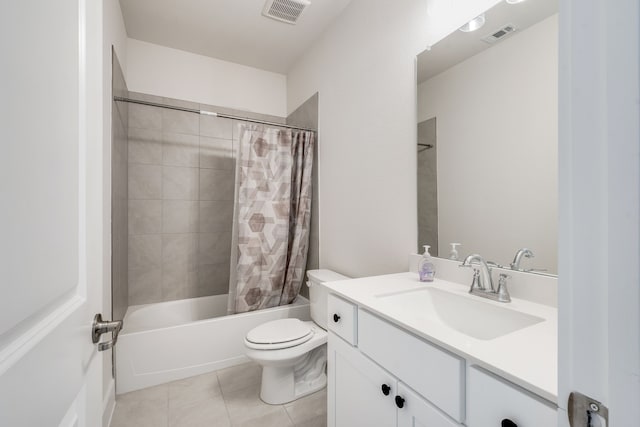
<point>503,292</point>
<point>476,283</point>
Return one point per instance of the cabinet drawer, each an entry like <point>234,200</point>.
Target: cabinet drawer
<point>492,400</point>
<point>433,372</point>
<point>342,318</point>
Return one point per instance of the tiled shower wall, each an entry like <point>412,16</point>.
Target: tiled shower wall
<point>119,196</point>
<point>181,189</point>
<point>427,187</point>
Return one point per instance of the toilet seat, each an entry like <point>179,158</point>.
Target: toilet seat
<point>279,334</point>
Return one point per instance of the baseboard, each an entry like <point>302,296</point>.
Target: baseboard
<point>109,404</point>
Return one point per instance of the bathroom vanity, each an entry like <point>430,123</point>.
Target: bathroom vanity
<point>407,353</point>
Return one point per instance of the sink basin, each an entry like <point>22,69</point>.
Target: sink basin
<point>466,314</point>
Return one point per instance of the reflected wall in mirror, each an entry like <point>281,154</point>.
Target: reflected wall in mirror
<point>488,107</point>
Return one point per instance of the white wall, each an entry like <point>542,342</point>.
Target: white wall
<point>364,70</point>
<point>114,34</point>
<point>497,125</point>
<point>174,73</point>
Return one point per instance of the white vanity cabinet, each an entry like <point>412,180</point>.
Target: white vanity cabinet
<point>493,402</point>
<point>361,393</point>
<point>381,375</point>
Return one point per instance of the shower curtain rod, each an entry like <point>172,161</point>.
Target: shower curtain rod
<point>207,113</point>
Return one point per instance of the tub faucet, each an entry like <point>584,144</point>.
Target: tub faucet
<point>524,252</point>
<point>482,284</point>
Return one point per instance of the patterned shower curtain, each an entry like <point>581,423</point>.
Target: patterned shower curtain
<point>271,217</point>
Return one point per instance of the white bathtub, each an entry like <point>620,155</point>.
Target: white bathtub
<point>177,339</point>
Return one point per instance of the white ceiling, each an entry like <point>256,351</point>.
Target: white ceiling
<point>231,30</point>
<point>458,46</point>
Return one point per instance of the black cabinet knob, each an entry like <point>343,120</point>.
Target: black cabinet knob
<point>385,389</point>
<point>336,318</point>
<point>400,402</point>
<point>508,423</point>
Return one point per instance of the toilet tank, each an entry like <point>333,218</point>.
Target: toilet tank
<point>318,294</point>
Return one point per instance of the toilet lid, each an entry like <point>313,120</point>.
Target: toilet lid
<point>279,331</point>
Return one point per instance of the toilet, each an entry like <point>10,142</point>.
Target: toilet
<point>292,352</point>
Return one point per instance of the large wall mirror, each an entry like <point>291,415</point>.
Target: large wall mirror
<point>487,138</point>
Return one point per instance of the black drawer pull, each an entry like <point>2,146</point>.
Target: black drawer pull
<point>508,423</point>
<point>336,318</point>
<point>400,402</point>
<point>385,389</point>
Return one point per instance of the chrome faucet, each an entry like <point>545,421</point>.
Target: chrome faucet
<point>482,284</point>
<point>524,252</point>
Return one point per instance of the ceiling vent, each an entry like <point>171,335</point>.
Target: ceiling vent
<point>285,10</point>
<point>499,34</point>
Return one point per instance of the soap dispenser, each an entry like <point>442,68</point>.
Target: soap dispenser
<point>426,269</point>
<point>453,254</point>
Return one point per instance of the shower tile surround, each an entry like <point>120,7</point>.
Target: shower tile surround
<point>119,195</point>
<point>181,190</point>
<point>428,187</point>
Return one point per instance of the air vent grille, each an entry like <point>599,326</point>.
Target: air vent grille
<point>285,10</point>
<point>499,34</point>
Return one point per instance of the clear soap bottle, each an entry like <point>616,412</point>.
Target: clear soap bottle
<point>453,254</point>
<point>426,269</point>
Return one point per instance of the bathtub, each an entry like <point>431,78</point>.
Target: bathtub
<point>172,340</point>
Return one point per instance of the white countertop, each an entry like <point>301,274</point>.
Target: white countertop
<point>526,357</point>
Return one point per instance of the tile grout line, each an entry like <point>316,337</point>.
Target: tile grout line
<point>224,399</point>
<point>288,415</point>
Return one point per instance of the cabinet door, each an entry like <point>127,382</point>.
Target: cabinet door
<point>491,400</point>
<point>355,395</point>
<point>417,412</point>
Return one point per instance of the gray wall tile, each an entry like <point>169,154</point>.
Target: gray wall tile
<point>145,285</point>
<point>216,184</point>
<point>145,182</point>
<point>146,97</point>
<point>181,103</point>
<point>179,149</point>
<point>145,251</point>
<point>213,279</point>
<point>216,153</point>
<point>119,195</point>
<point>215,216</point>
<point>179,265</point>
<point>145,117</point>
<point>179,183</point>
<point>180,216</point>
<point>180,122</point>
<point>145,216</point>
<point>179,281</point>
<point>216,127</point>
<point>213,248</point>
<point>145,146</point>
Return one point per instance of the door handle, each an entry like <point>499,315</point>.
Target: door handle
<point>100,327</point>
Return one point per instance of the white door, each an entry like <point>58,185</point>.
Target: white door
<point>599,159</point>
<point>50,223</point>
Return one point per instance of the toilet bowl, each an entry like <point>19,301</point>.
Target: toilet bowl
<point>292,353</point>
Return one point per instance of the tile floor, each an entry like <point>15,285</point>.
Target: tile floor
<point>225,398</point>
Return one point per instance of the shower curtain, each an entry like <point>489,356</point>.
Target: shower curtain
<point>271,217</point>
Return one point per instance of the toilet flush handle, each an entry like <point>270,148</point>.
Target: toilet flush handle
<point>336,318</point>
